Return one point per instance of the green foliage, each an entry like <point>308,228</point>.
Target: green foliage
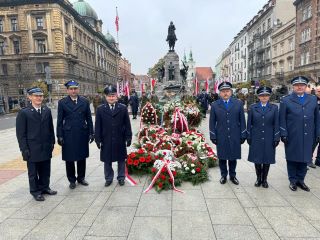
<point>153,72</point>
<point>43,86</point>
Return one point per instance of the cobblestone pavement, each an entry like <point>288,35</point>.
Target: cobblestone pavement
<point>208,211</point>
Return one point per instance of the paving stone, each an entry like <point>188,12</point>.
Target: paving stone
<point>287,222</point>
<point>236,232</point>
<point>77,233</point>
<point>257,218</point>
<point>113,222</point>
<point>104,238</point>
<point>125,197</point>
<point>245,200</point>
<point>266,197</point>
<point>38,210</point>
<point>189,225</point>
<point>190,200</point>
<point>16,228</point>
<point>155,205</point>
<point>155,228</point>
<point>77,202</point>
<point>15,200</point>
<point>267,234</point>
<point>217,190</point>
<point>56,226</point>
<point>227,211</point>
<point>6,213</point>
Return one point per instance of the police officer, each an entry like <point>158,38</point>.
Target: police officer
<point>203,100</point>
<point>227,130</point>
<point>317,161</point>
<point>112,135</point>
<point>263,135</point>
<point>74,132</point>
<point>299,127</point>
<point>35,134</point>
<point>134,102</point>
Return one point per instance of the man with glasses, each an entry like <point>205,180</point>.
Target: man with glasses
<point>35,134</point>
<point>74,132</point>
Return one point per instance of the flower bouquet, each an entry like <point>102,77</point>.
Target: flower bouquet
<point>148,114</point>
<point>193,169</point>
<point>139,161</point>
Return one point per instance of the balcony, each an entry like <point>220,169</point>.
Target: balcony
<point>260,50</point>
<point>260,64</point>
<point>257,36</point>
<point>244,56</point>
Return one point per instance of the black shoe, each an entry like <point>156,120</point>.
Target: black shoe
<point>49,192</point>
<point>72,185</point>
<point>223,180</point>
<point>265,184</point>
<point>257,183</point>
<point>108,183</point>
<point>293,187</point>
<point>121,182</point>
<point>317,163</point>
<point>39,198</point>
<point>312,165</point>
<point>234,180</point>
<point>83,182</point>
<point>303,186</point>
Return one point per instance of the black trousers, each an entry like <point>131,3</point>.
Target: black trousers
<point>39,176</point>
<point>296,171</point>
<point>108,171</point>
<point>71,171</point>
<point>224,170</point>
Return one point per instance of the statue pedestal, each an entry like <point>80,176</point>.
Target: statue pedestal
<point>171,61</point>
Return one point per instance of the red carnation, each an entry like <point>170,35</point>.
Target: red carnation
<point>136,162</point>
<point>132,155</point>
<point>163,177</point>
<point>142,159</point>
<point>198,169</point>
<point>154,136</point>
<point>129,161</point>
<point>174,173</point>
<point>153,170</point>
<point>140,151</point>
<point>160,184</point>
<point>156,157</point>
<point>170,180</point>
<point>164,170</point>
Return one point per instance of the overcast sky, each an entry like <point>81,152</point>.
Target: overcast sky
<point>206,26</point>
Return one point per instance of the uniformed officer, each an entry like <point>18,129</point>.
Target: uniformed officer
<point>263,135</point>
<point>317,161</point>
<point>35,134</point>
<point>74,132</point>
<point>203,100</point>
<point>134,102</point>
<point>112,135</point>
<point>299,127</point>
<point>227,130</point>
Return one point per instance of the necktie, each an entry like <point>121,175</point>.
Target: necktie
<point>112,107</point>
<point>39,111</point>
<point>263,108</point>
<point>226,104</point>
<point>75,101</point>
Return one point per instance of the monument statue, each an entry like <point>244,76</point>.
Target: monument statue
<point>161,72</point>
<point>171,38</point>
<point>184,73</point>
<point>171,71</point>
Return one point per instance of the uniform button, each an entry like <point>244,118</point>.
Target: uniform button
<point>263,131</point>
<point>262,124</point>
<point>305,125</point>
<point>227,120</point>
<point>262,138</point>
<point>305,133</point>
<point>262,116</point>
<point>305,116</point>
<point>303,108</point>
<point>228,136</point>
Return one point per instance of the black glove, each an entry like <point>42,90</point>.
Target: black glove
<point>214,141</point>
<point>249,141</point>
<point>284,140</point>
<point>26,155</point>
<point>91,138</point>
<point>242,140</point>
<point>98,145</point>
<point>318,139</point>
<point>275,144</point>
<point>60,141</point>
<point>128,143</point>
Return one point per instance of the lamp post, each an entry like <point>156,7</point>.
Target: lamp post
<point>4,85</point>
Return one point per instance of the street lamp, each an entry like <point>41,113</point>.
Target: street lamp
<point>3,89</point>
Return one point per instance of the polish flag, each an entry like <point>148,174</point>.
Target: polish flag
<point>153,83</point>
<point>196,85</point>
<point>117,20</point>
<point>207,85</point>
<point>141,86</point>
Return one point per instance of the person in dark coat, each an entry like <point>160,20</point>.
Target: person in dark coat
<point>144,99</point>
<point>74,132</point>
<point>263,135</point>
<point>134,103</point>
<point>35,134</point>
<point>203,100</point>
<point>227,127</point>
<point>299,128</point>
<point>112,135</point>
<point>315,145</point>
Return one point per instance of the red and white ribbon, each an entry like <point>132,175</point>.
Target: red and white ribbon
<point>129,179</point>
<point>168,164</point>
<point>182,119</point>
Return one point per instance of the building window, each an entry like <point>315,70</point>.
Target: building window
<point>1,48</point>
<point>40,67</point>
<point>1,25</point>
<point>39,22</point>
<point>16,47</point>
<point>4,69</point>
<point>66,26</point>
<point>307,57</point>
<point>290,65</point>
<point>291,44</point>
<point>263,27</point>
<point>18,68</point>
<point>41,45</point>
<point>281,48</point>
<point>275,50</point>
<point>269,24</point>
<point>14,24</point>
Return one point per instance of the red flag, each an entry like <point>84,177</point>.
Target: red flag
<point>117,20</point>
<point>196,91</point>
<point>141,85</point>
<point>153,83</point>
<point>207,85</point>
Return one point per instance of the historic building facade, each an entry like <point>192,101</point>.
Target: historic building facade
<point>54,41</point>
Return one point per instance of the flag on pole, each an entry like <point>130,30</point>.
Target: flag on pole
<point>117,20</point>
<point>196,86</point>
<point>126,90</point>
<point>141,86</point>
<point>118,89</point>
<point>207,85</point>
<point>153,83</point>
